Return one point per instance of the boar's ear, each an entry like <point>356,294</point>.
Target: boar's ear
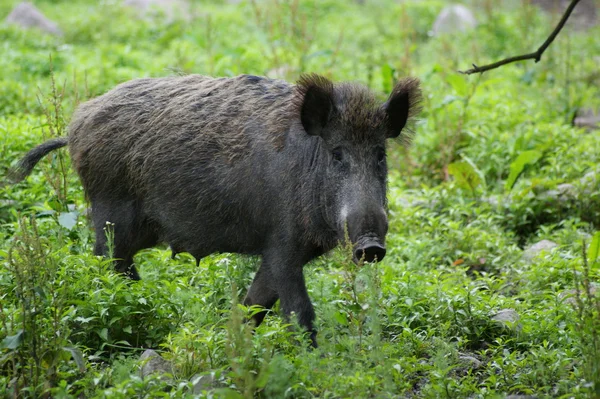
<point>402,104</point>
<point>315,102</point>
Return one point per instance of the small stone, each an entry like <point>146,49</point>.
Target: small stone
<point>454,18</point>
<point>27,16</point>
<point>567,189</point>
<point>169,9</point>
<point>425,204</point>
<point>202,383</point>
<point>471,361</point>
<point>153,363</point>
<point>507,318</point>
<point>8,203</point>
<point>538,248</point>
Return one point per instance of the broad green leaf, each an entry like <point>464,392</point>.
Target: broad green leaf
<point>269,333</point>
<point>12,341</point>
<point>84,320</point>
<point>594,248</point>
<point>519,144</point>
<point>530,157</point>
<point>77,356</point>
<point>68,220</point>
<point>476,169</point>
<point>103,334</point>
<point>341,318</point>
<point>40,291</point>
<point>55,205</point>
<point>459,84</point>
<point>263,378</point>
<point>465,175</point>
<point>49,212</point>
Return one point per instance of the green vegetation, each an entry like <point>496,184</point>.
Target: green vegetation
<point>484,179</point>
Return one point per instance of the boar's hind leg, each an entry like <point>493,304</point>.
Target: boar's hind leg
<point>261,293</point>
<point>131,232</point>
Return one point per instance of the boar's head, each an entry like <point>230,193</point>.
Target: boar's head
<point>353,128</point>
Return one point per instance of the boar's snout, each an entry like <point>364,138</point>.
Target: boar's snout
<point>366,230</point>
<point>369,250</point>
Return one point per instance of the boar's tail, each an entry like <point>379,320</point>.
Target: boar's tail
<point>25,165</point>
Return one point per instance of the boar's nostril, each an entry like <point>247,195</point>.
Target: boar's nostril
<point>370,253</point>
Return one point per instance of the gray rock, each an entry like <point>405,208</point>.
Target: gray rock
<point>202,383</point>
<point>567,189</point>
<point>584,16</point>
<point>570,296</point>
<point>493,200</point>
<point>453,18</point>
<point>587,119</point>
<point>470,361</point>
<point>538,248</point>
<point>589,180</point>
<point>508,318</point>
<point>562,192</point>
<point>27,16</point>
<point>153,363</point>
<point>170,10</point>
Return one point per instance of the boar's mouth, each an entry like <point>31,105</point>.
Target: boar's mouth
<point>369,249</point>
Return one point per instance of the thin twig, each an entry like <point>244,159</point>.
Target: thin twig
<point>536,55</point>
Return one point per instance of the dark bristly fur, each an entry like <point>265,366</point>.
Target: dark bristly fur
<point>245,164</point>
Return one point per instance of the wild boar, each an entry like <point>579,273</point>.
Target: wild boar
<point>247,164</point>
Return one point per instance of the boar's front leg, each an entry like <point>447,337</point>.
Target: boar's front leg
<point>262,292</point>
<point>280,276</point>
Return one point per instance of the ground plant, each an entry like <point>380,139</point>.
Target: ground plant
<point>464,305</point>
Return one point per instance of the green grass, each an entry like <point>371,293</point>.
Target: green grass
<point>418,324</point>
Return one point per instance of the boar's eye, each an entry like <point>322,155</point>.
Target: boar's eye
<point>337,154</point>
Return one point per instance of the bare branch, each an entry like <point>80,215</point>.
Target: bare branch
<point>536,55</point>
